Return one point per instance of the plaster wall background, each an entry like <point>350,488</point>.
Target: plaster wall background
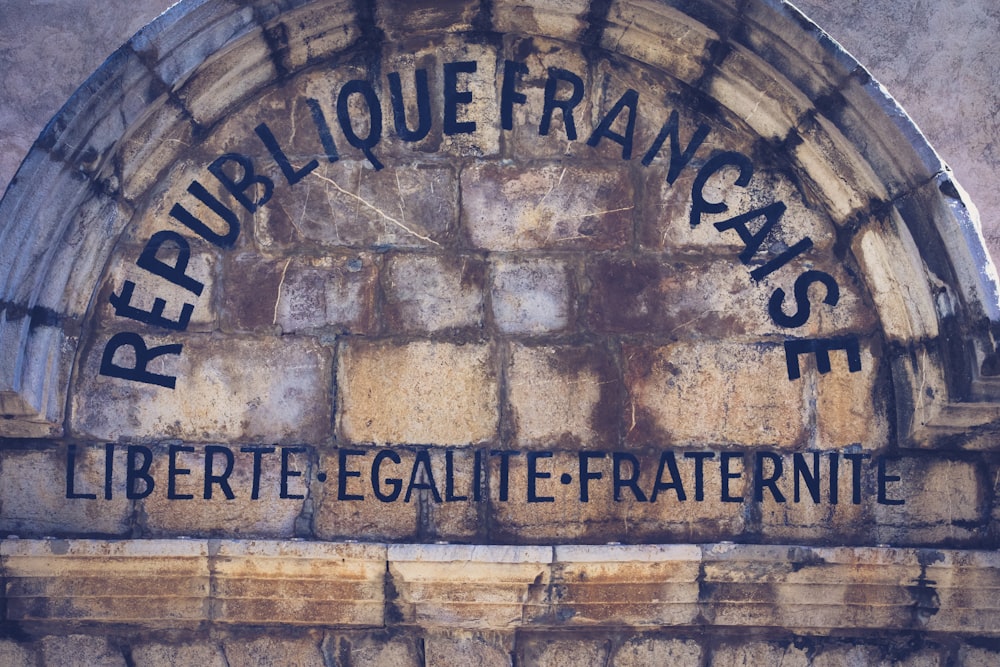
<point>940,60</point>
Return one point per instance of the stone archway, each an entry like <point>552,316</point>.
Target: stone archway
<point>503,276</point>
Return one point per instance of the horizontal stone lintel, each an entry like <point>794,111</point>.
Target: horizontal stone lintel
<point>184,582</point>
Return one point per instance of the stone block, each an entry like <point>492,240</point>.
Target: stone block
<point>564,20</point>
<point>221,83</point>
<point>384,650</point>
<point>298,583</point>
<point>155,583</point>
<point>37,500</point>
<point>944,502</point>
<point>283,396</point>
<point>429,293</point>
<point>545,498</point>
<point>327,293</point>
<point>639,30</point>
<point>627,586</point>
<point>565,396</point>
<point>455,514</point>
<point>652,652</point>
<point>715,298</point>
<point>156,654</point>
<point>971,656</point>
<point>532,296</point>
<point>316,31</point>
<point>419,392</point>
<point>565,652</point>
<point>665,213</point>
<point>702,393</point>
<point>759,653</point>
<point>547,206</point>
<point>469,586</point>
<point>850,407</point>
<point>17,654</point>
<point>485,649</point>
<point>401,20</point>
<point>302,652</point>
<point>80,651</point>
<point>197,506</point>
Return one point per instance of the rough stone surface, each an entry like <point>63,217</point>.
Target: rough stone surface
<point>155,654</point>
<point>81,650</point>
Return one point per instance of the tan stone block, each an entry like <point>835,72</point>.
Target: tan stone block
<point>194,507</point>
<point>420,392</point>
<point>458,478</point>
<point>304,652</point>
<point>850,407</point>
<point>433,293</point>
<point>350,204</point>
<point>665,223</point>
<point>565,652</point>
<point>532,296</point>
<point>298,583</point>
<point>155,583</point>
<point>15,654</point>
<point>563,395</point>
<point>556,512</point>
<point>547,206</point>
<point>943,500</point>
<point>759,653</point>
<point>348,505</point>
<point>282,396</point>
<point>469,586</point>
<point>385,651</point>
<point>80,651</point>
<point>630,586</point>
<point>651,652</point>
<point>564,19</point>
<point>36,500</point>
<point>156,654</point>
<point>702,393</point>
<point>717,298</point>
<point>486,649</point>
<point>221,83</point>
<point>146,287</point>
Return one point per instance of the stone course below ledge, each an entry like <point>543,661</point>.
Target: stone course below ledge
<point>56,584</point>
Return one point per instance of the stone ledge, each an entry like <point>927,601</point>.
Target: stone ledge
<point>183,583</point>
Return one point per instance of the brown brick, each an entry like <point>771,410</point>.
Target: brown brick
<point>563,395</point>
<point>283,395</point>
<point>702,393</point>
<point>551,206</point>
<point>532,296</point>
<point>433,293</point>
<point>415,393</point>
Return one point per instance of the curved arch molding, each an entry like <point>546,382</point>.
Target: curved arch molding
<point>773,88</point>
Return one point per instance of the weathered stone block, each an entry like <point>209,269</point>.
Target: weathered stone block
<point>420,392</point>
<point>383,649</point>
<point>532,296</point>
<point>325,293</point>
<point>454,513</point>
<point>316,31</point>
<point>16,654</point>
<point>944,501</point>
<point>276,651</point>
<point>155,654</point>
<point>759,653</point>
<point>298,583</point>
<point>463,586</point>
<point>563,396</point>
<point>560,496</point>
<point>715,299</point>
<point>630,586</point>
<point>564,19</point>
<point>81,651</point>
<point>550,206</point>
<point>466,648</point>
<point>154,583</point>
<point>151,148</point>
<point>970,656</point>
<point>651,652</point>
<point>405,19</point>
<point>700,393</point>
<point>193,486</point>
<point>433,293</point>
<point>850,408</point>
<point>565,652</point>
<point>36,498</point>
<point>283,396</point>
